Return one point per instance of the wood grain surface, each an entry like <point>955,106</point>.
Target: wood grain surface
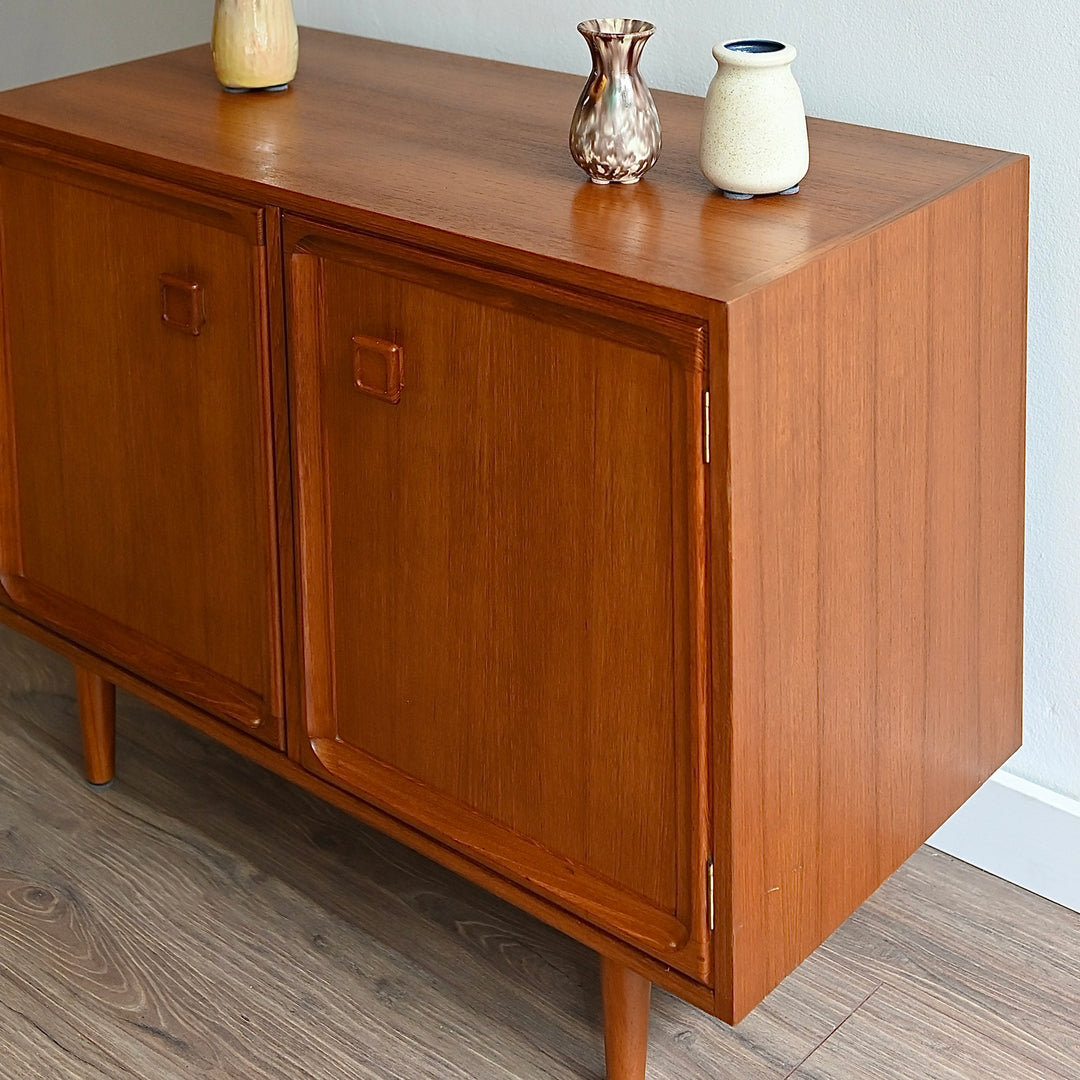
<point>203,917</point>
<point>501,577</point>
<point>138,506</point>
<point>876,434</point>
<point>450,150</point>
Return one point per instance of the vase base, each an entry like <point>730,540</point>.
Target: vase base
<point>256,89</point>
<point>765,195</point>
<point>603,183</point>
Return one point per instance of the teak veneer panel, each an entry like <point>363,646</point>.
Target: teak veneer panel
<point>835,559</point>
<point>133,442</point>
<point>513,559</point>
<point>472,155</point>
<point>875,441</point>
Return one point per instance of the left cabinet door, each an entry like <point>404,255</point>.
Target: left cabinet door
<point>137,510</point>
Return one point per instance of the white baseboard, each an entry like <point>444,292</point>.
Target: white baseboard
<point>1021,832</point>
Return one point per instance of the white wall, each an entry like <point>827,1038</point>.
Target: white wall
<point>41,39</point>
<point>999,73</point>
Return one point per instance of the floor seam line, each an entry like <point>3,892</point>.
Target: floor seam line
<point>819,1045</point>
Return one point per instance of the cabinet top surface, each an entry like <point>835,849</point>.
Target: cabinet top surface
<point>435,147</point>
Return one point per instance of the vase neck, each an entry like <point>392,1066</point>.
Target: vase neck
<point>615,44</point>
<point>753,53</point>
<point>614,56</point>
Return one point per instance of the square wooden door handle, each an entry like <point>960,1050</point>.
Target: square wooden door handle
<point>182,305</point>
<point>378,367</point>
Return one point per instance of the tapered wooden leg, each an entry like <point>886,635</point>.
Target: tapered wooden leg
<point>626,1020</point>
<point>97,713</point>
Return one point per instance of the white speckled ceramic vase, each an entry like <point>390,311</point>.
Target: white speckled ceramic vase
<point>255,44</point>
<point>753,133</point>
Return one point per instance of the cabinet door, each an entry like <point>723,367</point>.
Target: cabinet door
<point>136,508</point>
<point>501,533</point>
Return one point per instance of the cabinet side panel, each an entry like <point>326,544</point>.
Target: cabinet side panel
<point>1002,413</point>
<point>876,470</point>
<point>775,451</point>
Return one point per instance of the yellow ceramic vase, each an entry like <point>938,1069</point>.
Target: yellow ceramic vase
<point>255,44</point>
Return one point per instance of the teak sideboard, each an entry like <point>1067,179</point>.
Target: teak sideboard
<point>652,559</point>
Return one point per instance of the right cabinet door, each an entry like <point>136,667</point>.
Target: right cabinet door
<point>501,541</point>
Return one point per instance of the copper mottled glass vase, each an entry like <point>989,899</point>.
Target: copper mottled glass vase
<point>615,133</point>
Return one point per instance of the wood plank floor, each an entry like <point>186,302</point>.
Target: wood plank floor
<point>202,918</point>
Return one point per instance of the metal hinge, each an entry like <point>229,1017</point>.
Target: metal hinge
<point>710,893</point>
<point>705,433</point>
